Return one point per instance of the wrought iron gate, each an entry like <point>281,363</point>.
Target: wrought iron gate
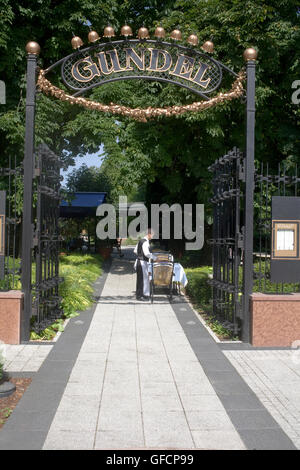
<point>37,274</point>
<point>227,241</point>
<point>11,193</point>
<point>268,183</point>
<point>46,240</point>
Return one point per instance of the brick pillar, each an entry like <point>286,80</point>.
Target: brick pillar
<point>11,311</point>
<point>275,319</point>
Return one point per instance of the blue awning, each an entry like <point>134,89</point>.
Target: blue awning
<point>83,205</point>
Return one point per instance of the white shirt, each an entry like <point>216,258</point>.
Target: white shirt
<point>146,249</point>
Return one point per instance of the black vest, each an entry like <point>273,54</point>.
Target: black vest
<point>140,253</point>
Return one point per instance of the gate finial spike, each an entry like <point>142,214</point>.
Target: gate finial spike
<point>76,42</point>
<point>208,46</point>
<point>109,32</point>
<point>250,54</point>
<point>93,36</point>
<point>193,40</point>
<point>126,31</point>
<point>143,33</point>
<point>33,47</point>
<point>160,32</point>
<point>176,35</point>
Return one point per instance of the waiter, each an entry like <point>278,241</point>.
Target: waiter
<point>142,250</point>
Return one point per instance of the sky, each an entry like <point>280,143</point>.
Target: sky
<point>90,159</point>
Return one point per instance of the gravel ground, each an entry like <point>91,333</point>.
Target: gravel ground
<point>8,404</point>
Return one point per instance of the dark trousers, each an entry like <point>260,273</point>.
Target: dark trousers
<point>139,280</point>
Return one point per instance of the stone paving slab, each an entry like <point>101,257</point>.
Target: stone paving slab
<point>24,357</point>
<point>274,376</point>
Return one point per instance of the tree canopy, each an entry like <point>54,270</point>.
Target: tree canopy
<point>169,156</point>
<point>86,178</point>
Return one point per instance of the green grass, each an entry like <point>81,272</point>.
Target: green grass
<point>129,241</point>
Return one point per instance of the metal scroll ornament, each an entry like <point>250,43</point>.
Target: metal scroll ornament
<point>152,60</point>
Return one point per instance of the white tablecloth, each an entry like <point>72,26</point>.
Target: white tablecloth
<point>179,274</point>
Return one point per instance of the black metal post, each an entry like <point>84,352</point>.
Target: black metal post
<point>27,228</point>
<point>249,199</point>
<point>2,233</point>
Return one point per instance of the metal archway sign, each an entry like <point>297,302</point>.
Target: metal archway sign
<point>144,59</point>
<point>147,60</point>
<point>160,61</point>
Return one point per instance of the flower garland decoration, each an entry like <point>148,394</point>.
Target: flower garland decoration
<point>140,114</point>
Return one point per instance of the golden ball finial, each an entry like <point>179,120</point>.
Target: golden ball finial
<point>109,32</point>
<point>76,42</point>
<point>126,31</point>
<point>176,35</point>
<point>250,54</point>
<point>93,36</point>
<point>143,33</point>
<point>193,40</point>
<point>33,47</point>
<point>160,32</point>
<point>208,46</point>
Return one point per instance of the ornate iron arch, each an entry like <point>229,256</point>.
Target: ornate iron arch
<point>155,53</point>
<point>191,69</point>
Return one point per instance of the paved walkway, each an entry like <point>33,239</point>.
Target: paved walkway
<point>137,382</point>
<point>25,358</point>
<point>131,375</point>
<point>274,376</point>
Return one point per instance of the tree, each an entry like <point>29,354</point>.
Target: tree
<point>86,178</point>
<point>51,23</point>
<point>169,156</point>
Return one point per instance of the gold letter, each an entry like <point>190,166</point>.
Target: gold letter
<point>91,67</point>
<point>153,66</point>
<point>198,78</point>
<point>103,64</point>
<point>184,67</point>
<point>115,61</point>
<point>137,60</point>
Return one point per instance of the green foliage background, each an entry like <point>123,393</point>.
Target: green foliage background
<point>168,156</point>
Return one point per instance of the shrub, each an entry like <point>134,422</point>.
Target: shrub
<point>199,292</point>
<point>79,272</point>
<point>197,288</point>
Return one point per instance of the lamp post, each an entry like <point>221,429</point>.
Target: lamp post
<point>250,55</point>
<point>32,49</point>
